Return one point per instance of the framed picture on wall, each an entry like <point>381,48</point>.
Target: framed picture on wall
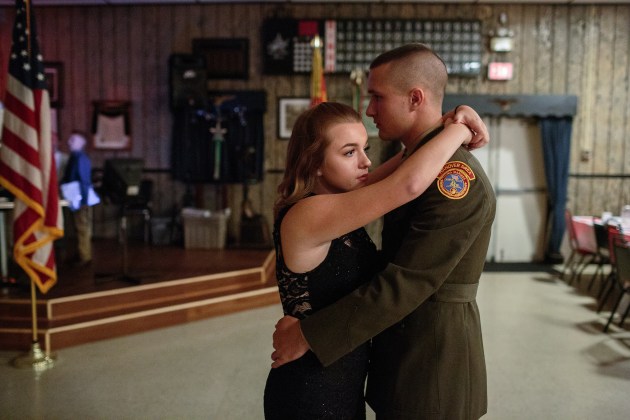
<point>288,111</point>
<point>111,125</point>
<point>53,71</point>
<point>226,58</point>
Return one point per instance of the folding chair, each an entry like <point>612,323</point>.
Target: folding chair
<point>608,285</point>
<point>621,251</point>
<point>603,253</point>
<point>582,253</point>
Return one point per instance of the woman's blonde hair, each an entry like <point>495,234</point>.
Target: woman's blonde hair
<point>305,152</point>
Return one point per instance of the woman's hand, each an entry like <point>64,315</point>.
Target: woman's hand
<point>463,114</point>
<point>467,132</point>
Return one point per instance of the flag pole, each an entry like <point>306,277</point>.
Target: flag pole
<point>36,358</point>
<point>24,68</point>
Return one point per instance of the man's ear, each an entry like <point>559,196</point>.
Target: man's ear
<point>416,97</point>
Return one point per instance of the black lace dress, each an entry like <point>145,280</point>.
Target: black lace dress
<point>304,389</point>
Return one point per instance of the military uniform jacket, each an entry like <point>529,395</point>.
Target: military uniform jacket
<point>427,358</point>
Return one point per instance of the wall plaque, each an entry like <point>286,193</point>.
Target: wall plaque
<point>352,43</point>
<point>225,58</point>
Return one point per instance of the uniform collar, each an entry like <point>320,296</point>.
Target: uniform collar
<point>425,137</point>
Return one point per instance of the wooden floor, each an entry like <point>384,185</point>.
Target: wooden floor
<point>161,286</point>
<point>150,264</point>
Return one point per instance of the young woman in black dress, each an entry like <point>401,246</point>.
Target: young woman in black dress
<point>322,250</point>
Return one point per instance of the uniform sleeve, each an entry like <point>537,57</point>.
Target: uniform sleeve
<point>441,232</point>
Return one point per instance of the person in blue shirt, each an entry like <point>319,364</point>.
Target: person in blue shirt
<point>79,168</point>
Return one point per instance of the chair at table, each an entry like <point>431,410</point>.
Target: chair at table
<point>621,251</point>
<point>603,252</point>
<point>582,252</point>
<point>608,284</point>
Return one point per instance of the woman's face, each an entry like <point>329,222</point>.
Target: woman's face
<point>345,166</point>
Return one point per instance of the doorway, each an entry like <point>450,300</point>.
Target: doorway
<point>514,163</point>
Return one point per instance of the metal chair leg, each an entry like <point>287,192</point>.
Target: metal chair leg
<point>609,278</point>
<point>625,313</point>
<point>575,263</point>
<point>599,272</point>
<point>567,265</point>
<point>580,266</point>
<point>612,313</point>
<point>605,298</point>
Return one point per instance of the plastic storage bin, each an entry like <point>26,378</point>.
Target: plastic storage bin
<point>205,229</point>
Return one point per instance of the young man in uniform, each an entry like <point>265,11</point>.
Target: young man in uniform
<point>427,358</point>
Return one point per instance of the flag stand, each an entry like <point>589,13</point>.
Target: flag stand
<point>27,169</point>
<point>36,358</point>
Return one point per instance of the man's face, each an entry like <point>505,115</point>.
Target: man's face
<point>76,142</point>
<point>388,107</point>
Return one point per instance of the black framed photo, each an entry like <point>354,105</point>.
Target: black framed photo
<point>53,70</point>
<point>288,111</point>
<point>226,58</point>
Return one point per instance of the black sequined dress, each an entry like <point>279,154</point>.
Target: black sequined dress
<point>304,389</point>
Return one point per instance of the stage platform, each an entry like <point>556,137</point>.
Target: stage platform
<point>164,286</point>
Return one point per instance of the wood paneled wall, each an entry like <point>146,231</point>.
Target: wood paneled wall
<point>121,52</point>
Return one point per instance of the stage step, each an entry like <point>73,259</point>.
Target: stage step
<point>73,320</point>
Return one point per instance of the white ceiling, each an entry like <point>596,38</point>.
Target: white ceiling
<point>115,2</point>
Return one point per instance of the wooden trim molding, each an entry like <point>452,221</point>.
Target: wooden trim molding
<point>516,105</point>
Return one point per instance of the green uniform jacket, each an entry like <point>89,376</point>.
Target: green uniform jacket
<point>427,353</point>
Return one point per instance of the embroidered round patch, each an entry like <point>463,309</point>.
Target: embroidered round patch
<point>453,181</point>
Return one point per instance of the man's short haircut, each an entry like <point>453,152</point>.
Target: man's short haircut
<point>418,65</point>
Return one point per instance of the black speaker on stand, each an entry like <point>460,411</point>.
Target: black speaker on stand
<point>187,81</point>
<point>122,179</point>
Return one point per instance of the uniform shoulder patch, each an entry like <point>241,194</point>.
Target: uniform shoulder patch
<point>453,181</point>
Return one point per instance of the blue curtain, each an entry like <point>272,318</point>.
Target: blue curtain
<point>556,141</point>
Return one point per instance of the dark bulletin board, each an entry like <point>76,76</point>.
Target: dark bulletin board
<point>237,156</point>
<point>353,43</point>
<point>225,58</point>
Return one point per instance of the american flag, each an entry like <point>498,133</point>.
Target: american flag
<point>27,167</point>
